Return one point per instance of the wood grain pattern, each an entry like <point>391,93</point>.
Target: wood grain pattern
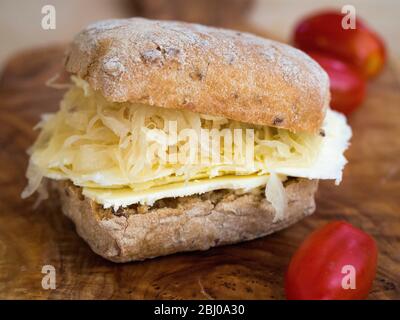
<point>368,198</point>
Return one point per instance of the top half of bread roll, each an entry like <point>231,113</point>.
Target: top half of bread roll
<point>202,69</point>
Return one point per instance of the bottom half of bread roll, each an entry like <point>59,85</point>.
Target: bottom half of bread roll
<point>190,223</point>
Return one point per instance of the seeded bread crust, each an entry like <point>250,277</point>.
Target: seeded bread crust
<point>202,69</point>
<point>183,224</point>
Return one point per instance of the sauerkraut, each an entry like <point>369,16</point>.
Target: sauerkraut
<point>97,143</point>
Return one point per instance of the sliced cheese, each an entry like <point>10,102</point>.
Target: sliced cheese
<point>125,197</point>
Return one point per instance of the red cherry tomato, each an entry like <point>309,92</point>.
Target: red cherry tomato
<point>360,47</point>
<point>346,85</point>
<point>328,261</point>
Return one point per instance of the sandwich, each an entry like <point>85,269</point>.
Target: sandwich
<point>179,137</point>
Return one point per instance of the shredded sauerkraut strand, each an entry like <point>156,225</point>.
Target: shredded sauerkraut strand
<point>276,194</point>
<point>61,86</point>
